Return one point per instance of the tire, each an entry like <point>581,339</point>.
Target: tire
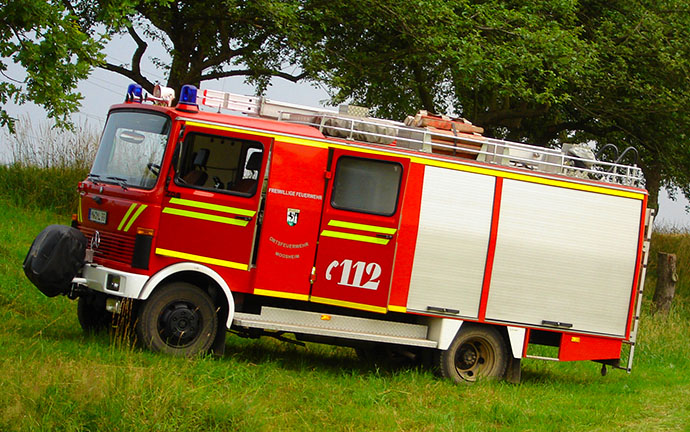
<point>92,315</point>
<point>178,319</point>
<point>477,352</point>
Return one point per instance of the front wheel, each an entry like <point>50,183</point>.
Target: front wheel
<point>178,319</point>
<point>477,352</point>
<point>93,317</point>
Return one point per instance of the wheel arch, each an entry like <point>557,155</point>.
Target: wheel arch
<point>445,330</point>
<point>199,275</point>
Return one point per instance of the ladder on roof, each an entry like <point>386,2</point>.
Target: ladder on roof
<point>254,105</point>
<point>346,126</point>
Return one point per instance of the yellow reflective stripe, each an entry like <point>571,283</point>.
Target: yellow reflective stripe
<point>80,218</point>
<point>124,219</point>
<point>135,216</point>
<point>362,227</point>
<point>202,259</point>
<point>355,237</point>
<point>281,294</point>
<point>348,304</point>
<point>215,207</point>
<point>205,216</point>
<point>393,308</point>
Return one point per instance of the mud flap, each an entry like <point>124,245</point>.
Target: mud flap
<point>218,347</point>
<point>514,371</point>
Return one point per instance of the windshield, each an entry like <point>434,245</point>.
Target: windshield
<point>131,149</point>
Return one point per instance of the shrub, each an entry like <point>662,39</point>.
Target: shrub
<point>44,164</point>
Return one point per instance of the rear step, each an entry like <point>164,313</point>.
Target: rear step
<point>338,326</point>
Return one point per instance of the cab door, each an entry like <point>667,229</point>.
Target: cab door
<point>212,201</point>
<point>359,227</point>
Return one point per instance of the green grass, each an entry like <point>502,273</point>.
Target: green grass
<point>31,186</point>
<point>54,377</point>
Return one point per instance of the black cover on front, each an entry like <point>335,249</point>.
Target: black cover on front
<point>55,257</point>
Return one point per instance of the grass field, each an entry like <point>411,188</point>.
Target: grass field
<point>54,377</point>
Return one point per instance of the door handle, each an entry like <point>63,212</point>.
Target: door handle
<point>384,236</point>
<point>244,218</point>
<point>556,324</point>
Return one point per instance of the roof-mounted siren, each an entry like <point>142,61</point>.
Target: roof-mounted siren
<point>162,95</point>
<point>187,100</point>
<point>134,93</point>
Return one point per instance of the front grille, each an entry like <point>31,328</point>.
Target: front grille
<point>113,247</point>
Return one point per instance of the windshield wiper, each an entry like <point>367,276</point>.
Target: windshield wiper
<point>95,178</point>
<point>121,181</point>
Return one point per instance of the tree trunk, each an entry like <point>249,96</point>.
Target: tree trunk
<point>422,91</point>
<point>652,176</point>
<point>666,282</point>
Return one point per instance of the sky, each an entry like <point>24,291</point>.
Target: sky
<point>103,89</point>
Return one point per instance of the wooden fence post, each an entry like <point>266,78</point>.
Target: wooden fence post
<point>665,283</point>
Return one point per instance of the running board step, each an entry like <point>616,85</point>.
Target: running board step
<point>338,326</point>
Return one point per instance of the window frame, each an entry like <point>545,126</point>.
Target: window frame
<point>244,156</point>
<point>381,161</point>
<point>111,148</point>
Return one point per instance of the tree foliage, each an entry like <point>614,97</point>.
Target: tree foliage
<point>207,39</point>
<point>546,72</point>
<point>543,71</point>
<point>44,38</point>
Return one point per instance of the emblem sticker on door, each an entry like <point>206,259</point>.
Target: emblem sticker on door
<point>292,216</point>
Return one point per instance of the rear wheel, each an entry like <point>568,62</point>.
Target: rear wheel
<point>477,352</point>
<point>178,319</point>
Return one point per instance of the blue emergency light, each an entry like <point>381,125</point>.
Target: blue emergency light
<point>134,92</point>
<point>188,95</point>
<point>187,100</point>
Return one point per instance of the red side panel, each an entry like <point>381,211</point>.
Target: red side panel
<point>581,347</point>
<point>407,238</point>
<point>287,243</point>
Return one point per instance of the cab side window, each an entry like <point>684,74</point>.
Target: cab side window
<point>366,185</point>
<point>219,163</point>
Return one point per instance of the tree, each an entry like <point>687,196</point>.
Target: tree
<point>546,72</point>
<point>639,88</point>
<point>207,39</point>
<point>43,37</point>
<point>59,42</point>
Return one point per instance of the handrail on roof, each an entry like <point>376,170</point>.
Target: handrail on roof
<point>463,145</point>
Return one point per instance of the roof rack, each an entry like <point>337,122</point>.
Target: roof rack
<point>573,160</point>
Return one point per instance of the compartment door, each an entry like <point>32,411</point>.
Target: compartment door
<point>359,227</point>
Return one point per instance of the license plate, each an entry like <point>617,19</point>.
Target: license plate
<point>98,216</point>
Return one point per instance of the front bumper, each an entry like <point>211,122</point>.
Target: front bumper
<point>111,282</point>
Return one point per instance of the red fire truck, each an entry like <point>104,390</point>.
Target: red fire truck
<point>339,228</point>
